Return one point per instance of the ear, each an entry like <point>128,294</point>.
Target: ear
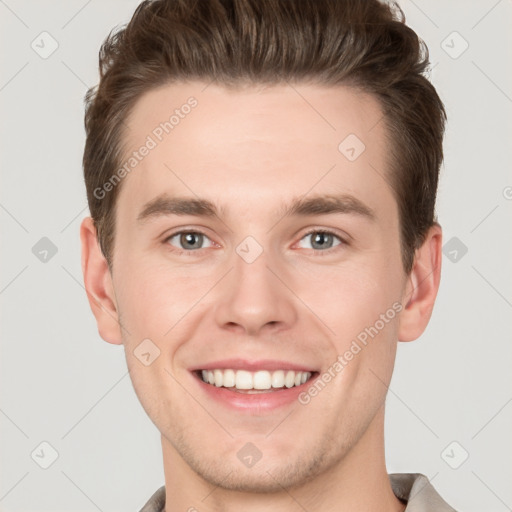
<point>98,284</point>
<point>421,286</point>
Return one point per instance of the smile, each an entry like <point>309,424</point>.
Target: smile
<point>255,382</point>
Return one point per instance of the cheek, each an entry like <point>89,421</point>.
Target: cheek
<point>152,299</point>
<point>359,305</point>
<point>351,298</point>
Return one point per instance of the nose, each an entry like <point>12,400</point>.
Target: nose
<point>256,297</point>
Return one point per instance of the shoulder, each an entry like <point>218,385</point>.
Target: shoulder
<point>156,503</point>
<point>418,492</point>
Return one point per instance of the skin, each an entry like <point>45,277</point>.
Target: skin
<point>251,151</point>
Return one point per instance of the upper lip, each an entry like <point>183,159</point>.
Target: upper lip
<point>251,366</point>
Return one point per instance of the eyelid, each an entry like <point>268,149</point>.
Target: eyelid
<point>344,237</point>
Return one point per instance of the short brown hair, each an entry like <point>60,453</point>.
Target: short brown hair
<point>359,43</point>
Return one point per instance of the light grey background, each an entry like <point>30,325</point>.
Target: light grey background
<point>62,384</point>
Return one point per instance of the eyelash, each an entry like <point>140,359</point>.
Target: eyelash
<point>317,252</point>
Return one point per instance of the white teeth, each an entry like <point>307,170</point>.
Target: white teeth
<point>289,380</point>
<point>217,375</point>
<point>278,379</point>
<point>243,380</point>
<point>229,379</point>
<point>262,379</point>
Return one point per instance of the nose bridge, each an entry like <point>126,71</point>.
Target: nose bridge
<point>253,297</point>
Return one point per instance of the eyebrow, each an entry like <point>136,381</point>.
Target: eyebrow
<point>164,205</point>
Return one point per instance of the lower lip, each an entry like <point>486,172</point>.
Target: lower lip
<point>256,402</point>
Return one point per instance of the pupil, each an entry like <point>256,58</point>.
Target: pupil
<point>188,239</point>
<point>321,239</point>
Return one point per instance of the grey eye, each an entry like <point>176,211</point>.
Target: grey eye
<point>321,240</point>
<point>188,240</point>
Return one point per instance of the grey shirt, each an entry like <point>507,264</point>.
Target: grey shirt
<point>412,488</point>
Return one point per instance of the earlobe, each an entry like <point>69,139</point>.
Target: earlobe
<point>422,287</point>
<point>98,284</point>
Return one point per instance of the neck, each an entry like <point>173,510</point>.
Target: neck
<point>358,482</point>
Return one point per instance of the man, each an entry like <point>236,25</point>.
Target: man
<point>262,177</point>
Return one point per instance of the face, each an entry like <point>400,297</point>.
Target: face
<point>293,258</point>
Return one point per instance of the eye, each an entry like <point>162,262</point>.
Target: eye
<point>322,240</point>
<point>188,241</point>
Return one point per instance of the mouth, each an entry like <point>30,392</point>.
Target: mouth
<point>254,382</point>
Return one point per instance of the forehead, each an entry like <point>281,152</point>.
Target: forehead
<point>256,145</point>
